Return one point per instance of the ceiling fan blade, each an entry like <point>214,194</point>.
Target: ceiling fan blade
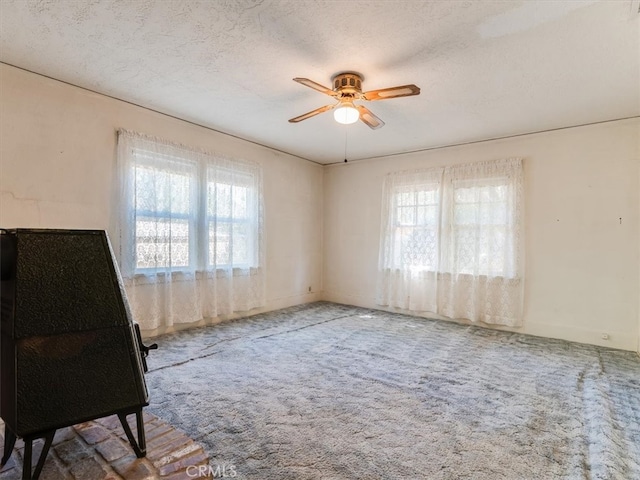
<point>369,118</point>
<point>312,113</point>
<point>393,92</point>
<point>316,86</point>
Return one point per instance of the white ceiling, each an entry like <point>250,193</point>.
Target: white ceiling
<point>487,69</point>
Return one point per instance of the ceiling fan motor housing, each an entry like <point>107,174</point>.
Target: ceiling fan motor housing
<point>347,83</point>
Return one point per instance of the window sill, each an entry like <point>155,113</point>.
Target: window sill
<point>449,275</point>
<point>151,276</point>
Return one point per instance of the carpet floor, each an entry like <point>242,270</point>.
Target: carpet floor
<point>327,391</point>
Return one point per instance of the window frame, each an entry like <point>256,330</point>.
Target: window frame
<point>197,216</point>
<point>453,227</point>
<point>163,163</point>
<point>399,226</point>
<point>447,225</point>
<point>251,261</point>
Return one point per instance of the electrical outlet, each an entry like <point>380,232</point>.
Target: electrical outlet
<point>605,336</point>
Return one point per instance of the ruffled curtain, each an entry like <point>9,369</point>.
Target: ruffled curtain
<point>191,232</point>
<point>452,242</point>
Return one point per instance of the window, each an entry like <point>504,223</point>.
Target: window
<point>190,232</point>
<point>451,240</point>
<point>164,212</point>
<point>417,213</point>
<point>173,233</point>
<point>480,229</point>
<point>230,226</point>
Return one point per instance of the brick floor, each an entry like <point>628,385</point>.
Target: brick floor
<point>99,450</point>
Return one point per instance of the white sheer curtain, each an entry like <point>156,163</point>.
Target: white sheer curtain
<point>410,253</point>
<point>452,242</point>
<point>191,232</point>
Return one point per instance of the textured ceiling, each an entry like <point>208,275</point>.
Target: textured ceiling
<point>487,69</point>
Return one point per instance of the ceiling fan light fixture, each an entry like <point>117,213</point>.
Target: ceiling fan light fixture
<point>347,87</point>
<point>346,113</point>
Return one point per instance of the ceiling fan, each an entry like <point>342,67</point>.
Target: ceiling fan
<point>347,87</point>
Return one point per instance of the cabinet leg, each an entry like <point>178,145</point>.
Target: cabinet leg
<point>9,443</point>
<point>28,451</point>
<point>139,447</point>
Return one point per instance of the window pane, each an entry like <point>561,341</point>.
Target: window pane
<point>229,223</point>
<point>222,201</point>
<point>465,214</point>
<point>406,216</point>
<point>164,211</point>
<point>427,215</point>
<point>498,214</point>
<point>479,230</point>
<point>162,242</point>
<point>426,197</point>
<point>240,195</point>
<point>229,244</point>
<point>162,191</point>
<point>227,201</point>
<point>219,243</point>
<point>406,198</point>
<point>464,195</point>
<point>417,247</point>
<point>417,215</point>
<point>465,250</point>
<point>241,233</point>
<point>481,252</point>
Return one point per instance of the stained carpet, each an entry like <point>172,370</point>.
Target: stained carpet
<point>327,391</point>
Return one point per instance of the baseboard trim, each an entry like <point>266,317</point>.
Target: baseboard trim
<point>273,304</point>
<point>617,339</point>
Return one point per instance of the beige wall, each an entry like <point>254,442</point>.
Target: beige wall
<point>57,164</point>
<point>57,160</point>
<point>581,261</point>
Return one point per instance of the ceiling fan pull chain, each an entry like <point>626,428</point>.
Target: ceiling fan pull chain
<point>346,130</point>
